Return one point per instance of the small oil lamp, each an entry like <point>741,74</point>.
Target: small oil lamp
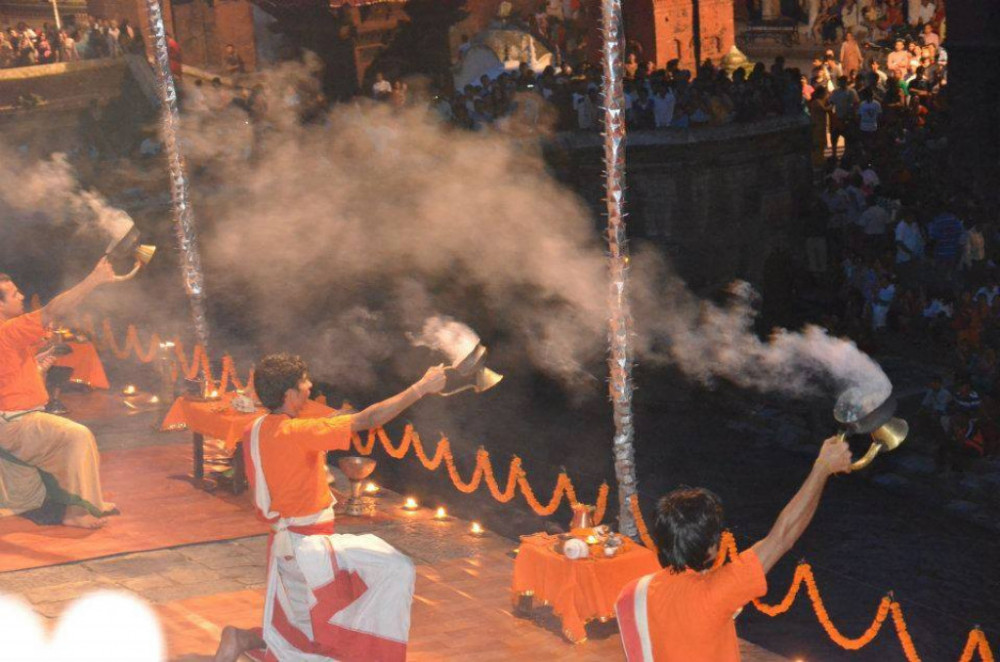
<point>129,389</point>
<point>371,488</point>
<point>441,513</point>
<point>154,399</point>
<point>477,530</point>
<point>410,504</point>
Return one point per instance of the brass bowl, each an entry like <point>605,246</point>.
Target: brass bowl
<point>356,468</point>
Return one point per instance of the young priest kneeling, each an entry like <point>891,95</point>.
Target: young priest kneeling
<point>685,612</point>
<point>329,596</point>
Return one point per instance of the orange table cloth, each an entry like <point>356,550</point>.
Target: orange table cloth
<point>218,420</point>
<point>581,590</point>
<point>86,365</point>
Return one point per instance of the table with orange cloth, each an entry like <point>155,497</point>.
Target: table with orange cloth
<point>86,365</point>
<point>578,590</point>
<point>218,420</point>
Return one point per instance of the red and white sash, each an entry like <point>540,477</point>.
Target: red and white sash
<point>358,588</point>
<point>633,620</point>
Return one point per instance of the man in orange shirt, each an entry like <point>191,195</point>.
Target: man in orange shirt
<point>42,454</point>
<point>686,612</point>
<point>329,596</point>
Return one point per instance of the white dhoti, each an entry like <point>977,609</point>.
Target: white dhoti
<point>330,596</point>
<point>633,623</point>
<point>41,453</point>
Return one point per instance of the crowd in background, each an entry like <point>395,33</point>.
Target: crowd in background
<point>914,258</point>
<point>874,21</point>
<point>88,38</point>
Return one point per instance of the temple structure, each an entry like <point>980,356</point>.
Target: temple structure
<point>685,30</point>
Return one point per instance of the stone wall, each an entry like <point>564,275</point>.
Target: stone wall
<point>718,199</point>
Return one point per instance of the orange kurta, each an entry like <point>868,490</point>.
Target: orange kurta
<point>293,458</point>
<point>21,384</point>
<point>691,613</point>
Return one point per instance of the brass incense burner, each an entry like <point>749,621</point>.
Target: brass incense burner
<point>128,246</point>
<point>470,373</point>
<point>887,432</point>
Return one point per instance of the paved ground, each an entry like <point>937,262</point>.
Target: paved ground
<point>462,607</point>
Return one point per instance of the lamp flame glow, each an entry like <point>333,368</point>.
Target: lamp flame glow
<point>476,529</point>
<point>411,504</point>
<point>129,389</point>
<point>154,400</point>
<point>440,513</point>
<point>371,488</point>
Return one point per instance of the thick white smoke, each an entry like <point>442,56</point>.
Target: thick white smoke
<point>336,238</point>
<point>47,191</point>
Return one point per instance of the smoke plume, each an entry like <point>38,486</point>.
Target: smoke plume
<point>338,237</point>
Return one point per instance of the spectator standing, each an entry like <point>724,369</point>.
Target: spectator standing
<point>929,37</point>
<point>845,103</point>
<point>176,57</point>
<point>898,60</point>
<point>946,232</point>
<point>850,56</point>
<point>664,102</point>
<point>113,36</point>
<point>232,62</point>
<point>819,111</point>
<point>869,114</point>
<point>909,242</point>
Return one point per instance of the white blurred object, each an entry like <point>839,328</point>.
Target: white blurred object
<point>110,626</point>
<point>244,404</point>
<point>104,625</point>
<point>576,549</point>
<point>24,636</point>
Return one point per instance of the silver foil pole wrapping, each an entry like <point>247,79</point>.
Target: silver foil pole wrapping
<point>184,223</point>
<point>620,322</point>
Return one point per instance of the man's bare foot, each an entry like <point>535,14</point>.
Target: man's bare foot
<point>83,521</point>
<point>235,642</point>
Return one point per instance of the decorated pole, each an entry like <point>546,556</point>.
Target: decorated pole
<point>184,224</point>
<point>620,323</point>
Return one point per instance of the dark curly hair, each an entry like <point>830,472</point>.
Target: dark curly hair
<point>275,374</point>
<point>688,523</point>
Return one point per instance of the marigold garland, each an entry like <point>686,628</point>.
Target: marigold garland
<point>483,471</point>
<point>199,362</point>
<point>975,643</point>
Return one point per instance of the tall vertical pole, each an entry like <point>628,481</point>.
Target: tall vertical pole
<point>184,224</point>
<point>55,12</point>
<point>620,323</point>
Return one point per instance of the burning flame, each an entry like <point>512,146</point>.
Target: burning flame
<point>129,389</point>
<point>154,399</point>
<point>371,488</point>
<point>476,529</point>
<point>411,504</point>
<point>440,513</point>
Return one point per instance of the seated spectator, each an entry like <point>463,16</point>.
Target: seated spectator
<point>381,88</point>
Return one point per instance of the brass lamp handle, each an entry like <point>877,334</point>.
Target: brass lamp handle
<point>130,275</point>
<point>873,450</point>
<point>867,458</point>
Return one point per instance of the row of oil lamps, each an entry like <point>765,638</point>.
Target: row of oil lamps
<point>440,514</point>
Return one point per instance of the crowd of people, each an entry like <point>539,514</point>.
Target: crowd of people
<point>916,259</point>
<point>874,21</point>
<point>87,38</point>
